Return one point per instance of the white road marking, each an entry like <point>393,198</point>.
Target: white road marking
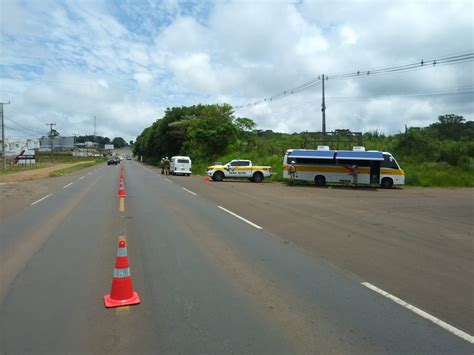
<point>41,199</point>
<point>82,177</point>
<point>66,186</point>
<point>422,313</point>
<point>89,173</point>
<point>241,218</point>
<point>192,193</point>
<point>168,180</point>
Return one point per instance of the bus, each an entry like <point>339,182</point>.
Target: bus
<point>323,166</point>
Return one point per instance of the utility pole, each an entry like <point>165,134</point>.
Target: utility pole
<point>323,110</point>
<point>3,135</point>
<point>94,129</point>
<point>51,139</point>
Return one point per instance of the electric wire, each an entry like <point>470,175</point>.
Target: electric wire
<point>419,65</point>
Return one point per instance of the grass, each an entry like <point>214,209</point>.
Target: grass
<point>18,168</point>
<point>427,174</point>
<point>71,169</point>
<point>437,175</point>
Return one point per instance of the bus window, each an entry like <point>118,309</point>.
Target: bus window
<point>389,162</point>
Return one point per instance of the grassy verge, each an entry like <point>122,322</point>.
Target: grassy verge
<point>428,174</point>
<point>437,175</point>
<point>19,168</point>
<point>74,168</point>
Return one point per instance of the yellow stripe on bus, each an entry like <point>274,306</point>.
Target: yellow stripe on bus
<point>342,169</point>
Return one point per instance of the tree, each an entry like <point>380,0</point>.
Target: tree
<point>53,133</point>
<point>450,126</point>
<point>245,124</point>
<point>119,142</point>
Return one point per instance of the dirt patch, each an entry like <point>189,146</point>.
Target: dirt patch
<point>34,174</point>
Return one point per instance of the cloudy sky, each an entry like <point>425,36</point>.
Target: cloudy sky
<point>125,61</point>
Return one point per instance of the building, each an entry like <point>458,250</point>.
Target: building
<point>13,144</point>
<point>59,143</point>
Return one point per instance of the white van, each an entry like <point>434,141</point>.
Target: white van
<point>180,165</point>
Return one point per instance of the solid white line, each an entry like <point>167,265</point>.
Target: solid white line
<point>82,177</point>
<point>192,193</point>
<point>168,180</point>
<point>241,218</point>
<point>422,313</point>
<point>66,186</point>
<point>41,199</point>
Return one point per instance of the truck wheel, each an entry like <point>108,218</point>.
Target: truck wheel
<point>320,180</point>
<point>257,177</point>
<point>387,183</point>
<point>218,176</point>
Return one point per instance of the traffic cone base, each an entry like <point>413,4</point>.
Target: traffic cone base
<point>109,302</point>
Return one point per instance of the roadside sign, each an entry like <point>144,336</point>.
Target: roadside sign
<point>109,146</point>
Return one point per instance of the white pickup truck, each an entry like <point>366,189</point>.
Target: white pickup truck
<point>239,168</point>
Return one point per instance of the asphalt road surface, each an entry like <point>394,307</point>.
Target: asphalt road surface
<point>213,276</point>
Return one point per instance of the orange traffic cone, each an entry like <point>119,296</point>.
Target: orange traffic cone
<point>206,179</point>
<point>122,293</point>
<point>121,184</point>
<point>121,192</point>
<point>122,176</point>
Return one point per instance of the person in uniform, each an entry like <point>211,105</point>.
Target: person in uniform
<point>162,165</point>
<point>167,166</point>
<point>355,173</point>
<point>292,172</point>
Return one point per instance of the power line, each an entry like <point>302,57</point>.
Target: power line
<point>422,64</point>
<point>29,130</point>
<point>461,91</point>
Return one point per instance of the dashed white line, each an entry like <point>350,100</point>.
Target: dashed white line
<point>192,193</point>
<point>41,199</point>
<point>168,180</point>
<point>422,313</point>
<point>239,217</point>
<point>82,177</point>
<point>66,186</point>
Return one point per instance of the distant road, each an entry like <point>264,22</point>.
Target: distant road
<point>220,268</point>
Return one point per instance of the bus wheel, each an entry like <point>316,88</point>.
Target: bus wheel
<point>320,180</point>
<point>257,177</point>
<point>386,183</point>
<point>218,176</point>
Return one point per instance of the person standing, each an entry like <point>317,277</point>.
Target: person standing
<point>167,166</point>
<point>292,172</point>
<point>162,165</point>
<point>355,175</point>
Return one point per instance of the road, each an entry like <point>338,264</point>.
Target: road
<point>208,280</point>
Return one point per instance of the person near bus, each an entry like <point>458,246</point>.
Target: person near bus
<point>292,172</point>
<point>162,165</point>
<point>355,173</point>
<point>167,166</point>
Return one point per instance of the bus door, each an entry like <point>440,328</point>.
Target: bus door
<point>375,172</point>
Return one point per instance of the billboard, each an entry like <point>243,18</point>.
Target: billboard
<point>109,146</point>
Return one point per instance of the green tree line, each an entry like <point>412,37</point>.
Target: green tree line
<point>441,154</point>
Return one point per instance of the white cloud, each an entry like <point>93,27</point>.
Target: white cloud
<point>348,35</point>
<point>124,62</point>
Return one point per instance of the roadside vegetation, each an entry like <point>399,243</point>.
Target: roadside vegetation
<point>75,167</point>
<point>43,160</point>
<point>441,154</point>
